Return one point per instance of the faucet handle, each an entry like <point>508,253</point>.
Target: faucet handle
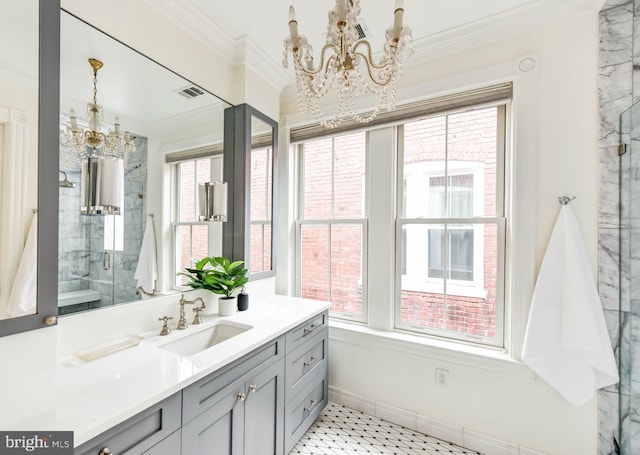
<point>197,319</point>
<point>165,330</point>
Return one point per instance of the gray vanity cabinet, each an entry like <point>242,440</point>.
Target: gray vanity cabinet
<point>260,404</point>
<point>141,433</point>
<point>239,409</point>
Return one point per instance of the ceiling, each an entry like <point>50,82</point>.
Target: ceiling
<point>435,24</point>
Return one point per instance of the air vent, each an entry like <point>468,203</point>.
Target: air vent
<point>362,30</point>
<point>190,91</point>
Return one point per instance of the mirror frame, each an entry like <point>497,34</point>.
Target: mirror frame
<point>48,114</point>
<point>237,169</point>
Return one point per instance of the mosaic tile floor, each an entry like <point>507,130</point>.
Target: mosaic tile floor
<point>343,431</point>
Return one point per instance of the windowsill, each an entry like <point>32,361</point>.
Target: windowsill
<point>447,351</point>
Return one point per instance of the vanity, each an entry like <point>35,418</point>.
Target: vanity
<point>255,392</point>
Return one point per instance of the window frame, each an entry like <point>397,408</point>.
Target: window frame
<point>175,213</point>
<point>330,222</point>
<point>499,220</point>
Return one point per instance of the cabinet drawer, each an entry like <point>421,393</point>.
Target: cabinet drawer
<point>303,410</point>
<point>205,393</point>
<point>305,362</point>
<point>168,446</point>
<point>139,433</point>
<point>306,330</point>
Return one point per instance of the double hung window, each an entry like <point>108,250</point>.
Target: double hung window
<point>447,267</point>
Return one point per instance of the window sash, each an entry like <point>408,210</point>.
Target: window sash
<point>363,262</point>
<point>500,223</point>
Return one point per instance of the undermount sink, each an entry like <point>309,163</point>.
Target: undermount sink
<point>204,339</point>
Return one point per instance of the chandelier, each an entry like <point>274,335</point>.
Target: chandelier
<point>347,64</point>
<point>80,143</point>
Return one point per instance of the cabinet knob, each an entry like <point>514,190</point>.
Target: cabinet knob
<point>253,388</point>
<point>105,451</point>
<point>51,320</point>
<point>241,397</point>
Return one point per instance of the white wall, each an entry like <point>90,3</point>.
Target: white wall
<point>554,153</point>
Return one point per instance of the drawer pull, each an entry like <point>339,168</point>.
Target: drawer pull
<point>105,451</point>
<point>253,388</point>
<point>241,396</point>
<point>311,405</point>
<point>311,328</point>
<point>310,362</point>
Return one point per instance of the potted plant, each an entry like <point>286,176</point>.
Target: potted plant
<point>220,276</point>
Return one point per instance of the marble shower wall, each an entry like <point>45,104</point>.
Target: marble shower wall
<point>619,89</point>
<point>84,261</point>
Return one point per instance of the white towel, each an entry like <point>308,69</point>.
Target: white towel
<point>147,269</point>
<point>22,299</point>
<point>566,342</point>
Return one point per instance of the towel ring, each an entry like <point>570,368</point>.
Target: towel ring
<point>564,200</point>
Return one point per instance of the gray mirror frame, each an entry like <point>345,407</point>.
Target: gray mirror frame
<point>48,114</point>
<point>237,169</point>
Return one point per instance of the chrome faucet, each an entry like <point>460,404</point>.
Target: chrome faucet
<point>182,322</point>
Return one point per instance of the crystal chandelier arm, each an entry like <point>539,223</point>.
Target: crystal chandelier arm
<point>369,56</point>
<point>314,72</point>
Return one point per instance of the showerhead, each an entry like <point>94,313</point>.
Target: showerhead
<point>65,183</point>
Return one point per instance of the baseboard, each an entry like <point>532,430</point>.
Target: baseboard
<point>441,430</point>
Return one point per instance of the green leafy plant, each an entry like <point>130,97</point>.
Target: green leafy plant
<point>218,275</point>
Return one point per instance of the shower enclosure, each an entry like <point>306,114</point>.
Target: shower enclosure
<point>629,354</point>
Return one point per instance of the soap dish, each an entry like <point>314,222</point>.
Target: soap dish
<point>107,348</point>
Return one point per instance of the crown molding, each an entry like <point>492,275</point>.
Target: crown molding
<point>252,56</point>
<point>198,25</point>
<point>519,20</point>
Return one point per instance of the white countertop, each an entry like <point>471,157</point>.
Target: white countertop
<point>91,397</point>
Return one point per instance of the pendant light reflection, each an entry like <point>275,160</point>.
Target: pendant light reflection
<point>212,200</point>
<point>102,186</point>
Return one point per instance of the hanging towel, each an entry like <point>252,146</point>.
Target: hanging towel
<point>147,269</point>
<point>22,299</point>
<point>566,342</point>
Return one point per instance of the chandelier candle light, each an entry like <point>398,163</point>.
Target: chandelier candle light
<point>346,64</point>
<point>103,156</point>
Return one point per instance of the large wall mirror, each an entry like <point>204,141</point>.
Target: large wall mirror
<point>112,216</point>
<point>28,125</point>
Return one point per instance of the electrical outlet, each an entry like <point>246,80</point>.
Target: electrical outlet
<point>442,378</point>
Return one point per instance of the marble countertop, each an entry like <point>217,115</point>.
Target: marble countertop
<point>91,397</point>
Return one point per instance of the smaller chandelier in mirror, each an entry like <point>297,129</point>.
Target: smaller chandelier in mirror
<point>347,64</point>
<point>79,143</point>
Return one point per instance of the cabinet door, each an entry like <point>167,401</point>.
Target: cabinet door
<point>264,412</point>
<point>218,430</point>
<point>169,446</point>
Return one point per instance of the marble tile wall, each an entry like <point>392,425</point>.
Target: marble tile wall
<point>83,264</point>
<point>619,89</point>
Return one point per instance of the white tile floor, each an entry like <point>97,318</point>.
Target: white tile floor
<point>343,431</point>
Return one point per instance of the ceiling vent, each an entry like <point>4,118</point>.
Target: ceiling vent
<point>361,29</point>
<point>190,91</point>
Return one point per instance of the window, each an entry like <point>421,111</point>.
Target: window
<point>331,228</point>
<point>260,216</point>
<point>451,225</point>
<point>193,239</point>
<point>427,185</point>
